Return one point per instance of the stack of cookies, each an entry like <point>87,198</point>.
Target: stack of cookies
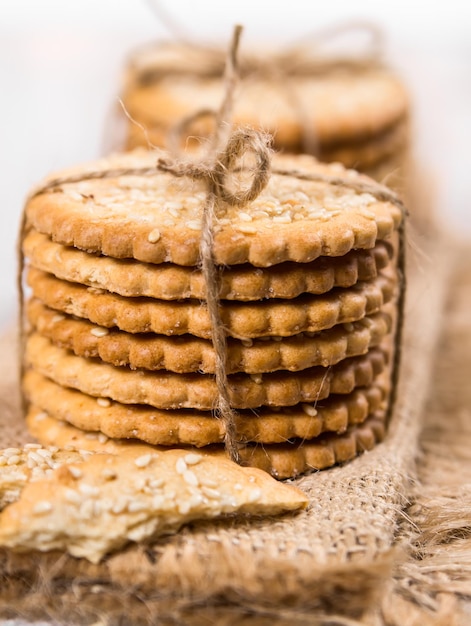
<point>119,340</point>
<point>355,114</point>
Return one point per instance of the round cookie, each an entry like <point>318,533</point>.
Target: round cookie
<point>280,460</point>
<point>166,390</point>
<point>190,354</point>
<point>167,83</point>
<point>157,218</point>
<point>172,282</point>
<point>200,428</point>
<point>267,318</point>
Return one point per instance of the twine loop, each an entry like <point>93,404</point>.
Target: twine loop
<point>220,174</point>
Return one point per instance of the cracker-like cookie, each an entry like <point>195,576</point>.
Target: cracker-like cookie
<point>349,106</point>
<point>99,505</point>
<point>199,428</point>
<point>172,282</point>
<point>18,466</point>
<point>166,390</point>
<point>280,460</point>
<point>242,320</point>
<point>285,461</point>
<point>157,219</point>
<point>190,354</point>
<point>364,155</point>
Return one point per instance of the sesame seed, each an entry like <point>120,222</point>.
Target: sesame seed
<point>45,454</point>
<point>247,229</point>
<point>88,490</point>
<point>190,478</point>
<point>143,461</point>
<point>309,410</point>
<point>257,378</point>
<point>57,318</point>
<point>32,446</point>
<point>285,218</point>
<point>213,494</point>
<point>42,507</point>
<point>181,465</point>
<point>209,482</point>
<point>8,452</point>
<point>153,236</point>
<point>102,438</point>
<point>40,416</point>
<point>348,327</point>
<point>155,483</point>
<point>193,224</point>
<point>247,343</point>
<point>14,460</point>
<point>72,496</point>
<point>245,217</point>
<point>75,471</point>
<point>104,402</point>
<point>192,458</point>
<point>99,332</point>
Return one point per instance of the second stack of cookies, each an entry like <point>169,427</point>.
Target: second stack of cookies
<point>120,341</point>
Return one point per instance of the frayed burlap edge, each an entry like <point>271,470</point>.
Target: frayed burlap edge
<point>341,562</point>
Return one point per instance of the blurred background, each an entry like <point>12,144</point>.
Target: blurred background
<point>61,65</point>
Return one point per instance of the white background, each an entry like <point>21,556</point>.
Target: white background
<point>60,63</point>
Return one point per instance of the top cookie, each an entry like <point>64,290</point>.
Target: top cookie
<point>157,218</point>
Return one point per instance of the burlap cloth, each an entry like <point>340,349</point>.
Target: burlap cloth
<point>383,542</point>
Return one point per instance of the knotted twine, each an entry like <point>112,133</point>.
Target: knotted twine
<point>214,171</point>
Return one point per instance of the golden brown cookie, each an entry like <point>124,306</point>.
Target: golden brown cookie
<point>171,282</point>
<point>280,460</point>
<point>157,218</point>
<point>166,390</point>
<point>190,354</point>
<point>200,428</point>
<point>340,105</point>
<point>242,320</point>
<point>100,504</point>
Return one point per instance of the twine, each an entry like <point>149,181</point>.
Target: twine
<point>307,57</point>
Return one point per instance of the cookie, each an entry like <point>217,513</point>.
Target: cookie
<point>293,219</point>
<point>284,318</point>
<point>166,390</point>
<point>365,155</point>
<point>18,466</point>
<point>100,504</point>
<point>280,460</point>
<point>349,105</point>
<point>189,354</point>
<point>200,428</point>
<point>172,282</point>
